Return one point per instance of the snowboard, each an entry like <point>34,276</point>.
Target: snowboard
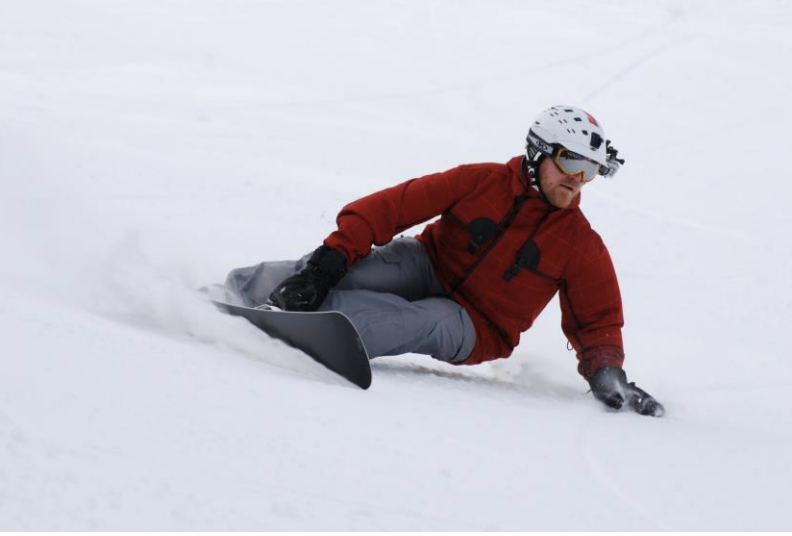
<point>327,336</point>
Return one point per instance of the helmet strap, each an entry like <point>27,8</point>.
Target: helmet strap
<point>530,169</point>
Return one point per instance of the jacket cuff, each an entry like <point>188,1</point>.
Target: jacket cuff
<point>594,359</point>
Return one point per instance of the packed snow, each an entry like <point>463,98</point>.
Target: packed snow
<point>147,147</point>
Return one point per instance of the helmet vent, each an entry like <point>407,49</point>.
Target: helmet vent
<point>567,126</point>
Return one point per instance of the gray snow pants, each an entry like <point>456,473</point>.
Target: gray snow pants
<point>393,298</point>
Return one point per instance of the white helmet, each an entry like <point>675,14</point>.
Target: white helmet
<point>575,130</point>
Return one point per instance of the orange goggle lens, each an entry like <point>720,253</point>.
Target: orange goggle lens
<point>573,163</point>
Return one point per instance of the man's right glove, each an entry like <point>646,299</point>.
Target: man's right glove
<point>609,386</point>
<point>307,290</point>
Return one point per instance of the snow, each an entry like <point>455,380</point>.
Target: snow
<point>147,147</point>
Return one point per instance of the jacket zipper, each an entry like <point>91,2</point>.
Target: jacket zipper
<point>502,228</point>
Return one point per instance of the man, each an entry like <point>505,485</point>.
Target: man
<point>509,238</point>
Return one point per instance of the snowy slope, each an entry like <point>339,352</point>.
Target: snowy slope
<point>149,146</point>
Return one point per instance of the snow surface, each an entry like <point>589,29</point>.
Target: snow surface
<point>147,147</point>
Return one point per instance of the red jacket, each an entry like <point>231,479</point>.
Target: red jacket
<point>502,252</point>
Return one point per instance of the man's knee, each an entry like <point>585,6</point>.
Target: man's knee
<point>450,334</point>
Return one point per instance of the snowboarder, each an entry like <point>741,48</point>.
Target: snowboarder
<point>509,237</point>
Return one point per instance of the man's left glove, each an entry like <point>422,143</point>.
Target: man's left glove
<point>609,386</point>
<point>307,290</point>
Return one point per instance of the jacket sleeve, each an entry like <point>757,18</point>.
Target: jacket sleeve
<point>377,218</point>
<point>591,308</point>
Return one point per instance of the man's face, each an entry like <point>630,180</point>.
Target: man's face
<point>559,188</point>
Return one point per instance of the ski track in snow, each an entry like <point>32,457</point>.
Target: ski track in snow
<point>660,217</point>
<point>594,465</point>
<point>517,75</point>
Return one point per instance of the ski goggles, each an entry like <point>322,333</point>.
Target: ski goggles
<point>573,163</point>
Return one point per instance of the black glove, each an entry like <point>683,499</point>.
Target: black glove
<point>610,387</point>
<point>307,290</point>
